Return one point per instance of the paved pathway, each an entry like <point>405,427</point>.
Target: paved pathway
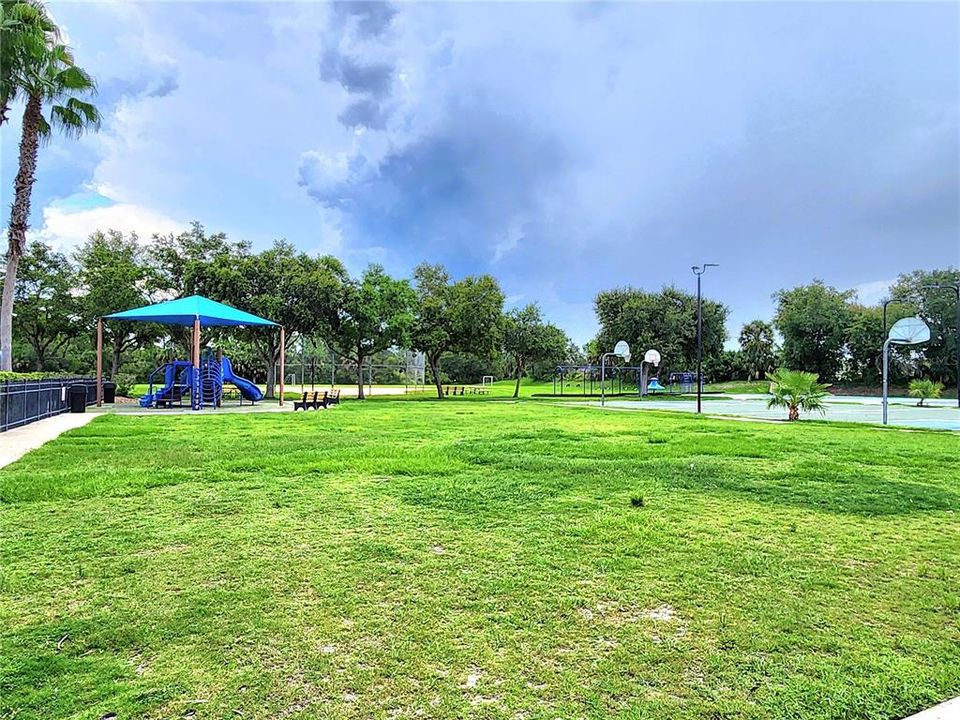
<point>950,710</point>
<point>16,443</point>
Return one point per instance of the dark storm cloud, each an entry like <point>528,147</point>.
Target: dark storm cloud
<point>373,18</point>
<point>364,113</point>
<point>156,85</point>
<point>785,141</point>
<point>356,77</point>
<point>370,81</point>
<point>452,192</point>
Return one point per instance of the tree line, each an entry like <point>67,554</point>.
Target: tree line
<point>59,297</point>
<point>461,325</point>
<point>816,328</point>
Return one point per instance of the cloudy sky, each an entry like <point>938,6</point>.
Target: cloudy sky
<point>565,148</point>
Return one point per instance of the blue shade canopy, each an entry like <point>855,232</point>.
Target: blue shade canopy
<point>185,310</point>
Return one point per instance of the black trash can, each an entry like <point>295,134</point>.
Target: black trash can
<point>78,398</point>
<point>109,392</point>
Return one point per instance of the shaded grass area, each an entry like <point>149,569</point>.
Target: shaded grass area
<point>466,559</point>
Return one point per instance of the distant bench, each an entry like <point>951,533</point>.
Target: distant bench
<point>330,397</point>
<point>461,389</point>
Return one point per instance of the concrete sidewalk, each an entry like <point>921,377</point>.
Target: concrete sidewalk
<point>16,443</point>
<point>950,710</point>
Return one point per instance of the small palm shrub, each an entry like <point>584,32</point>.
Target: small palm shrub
<point>922,389</point>
<point>125,384</point>
<point>796,390</point>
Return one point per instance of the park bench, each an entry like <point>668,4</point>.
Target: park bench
<point>331,398</point>
<point>304,404</point>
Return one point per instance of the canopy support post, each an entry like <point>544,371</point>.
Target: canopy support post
<point>196,391</point>
<point>99,362</point>
<point>283,354</point>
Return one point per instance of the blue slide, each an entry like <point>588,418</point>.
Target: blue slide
<point>249,391</point>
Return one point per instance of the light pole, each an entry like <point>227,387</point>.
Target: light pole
<point>956,289</point>
<point>699,270</point>
<point>887,302</point>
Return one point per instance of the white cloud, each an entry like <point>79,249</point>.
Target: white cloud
<point>871,293</point>
<point>64,228</point>
<point>509,241</point>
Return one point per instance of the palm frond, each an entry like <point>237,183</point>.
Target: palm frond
<point>73,78</point>
<point>74,117</point>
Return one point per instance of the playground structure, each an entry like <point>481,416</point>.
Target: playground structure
<point>204,387</point>
<point>201,378</point>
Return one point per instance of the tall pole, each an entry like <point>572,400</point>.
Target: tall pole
<point>195,391</point>
<point>699,270</point>
<point>886,363</point>
<point>283,354</point>
<point>99,362</point>
<point>699,344</point>
<point>603,396</point>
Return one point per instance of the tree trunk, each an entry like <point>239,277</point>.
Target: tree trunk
<point>435,371</point>
<point>19,218</point>
<point>794,413</point>
<point>115,359</point>
<point>271,376</point>
<point>6,311</point>
<point>360,379</point>
<point>516,388</point>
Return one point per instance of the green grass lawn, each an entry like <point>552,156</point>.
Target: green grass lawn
<point>395,559</point>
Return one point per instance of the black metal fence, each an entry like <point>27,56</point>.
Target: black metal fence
<point>25,401</point>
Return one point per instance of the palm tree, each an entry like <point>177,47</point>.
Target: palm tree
<point>757,348</point>
<point>923,388</point>
<point>26,31</point>
<point>55,81</point>
<point>796,391</point>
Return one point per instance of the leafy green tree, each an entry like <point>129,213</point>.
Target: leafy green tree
<point>468,368</point>
<point>561,350</point>
<point>665,321</point>
<point>43,79</point>
<point>527,338</point>
<point>796,390</point>
<point>182,260</point>
<point>923,388</point>
<point>376,313</point>
<point>114,276</point>
<point>864,345</point>
<point>462,316</point>
<point>281,284</point>
<point>813,320</point>
<point>758,353</point>
<point>728,365</point>
<point>937,308</point>
<point>47,311</point>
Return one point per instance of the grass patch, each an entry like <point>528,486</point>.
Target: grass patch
<point>483,559</point>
